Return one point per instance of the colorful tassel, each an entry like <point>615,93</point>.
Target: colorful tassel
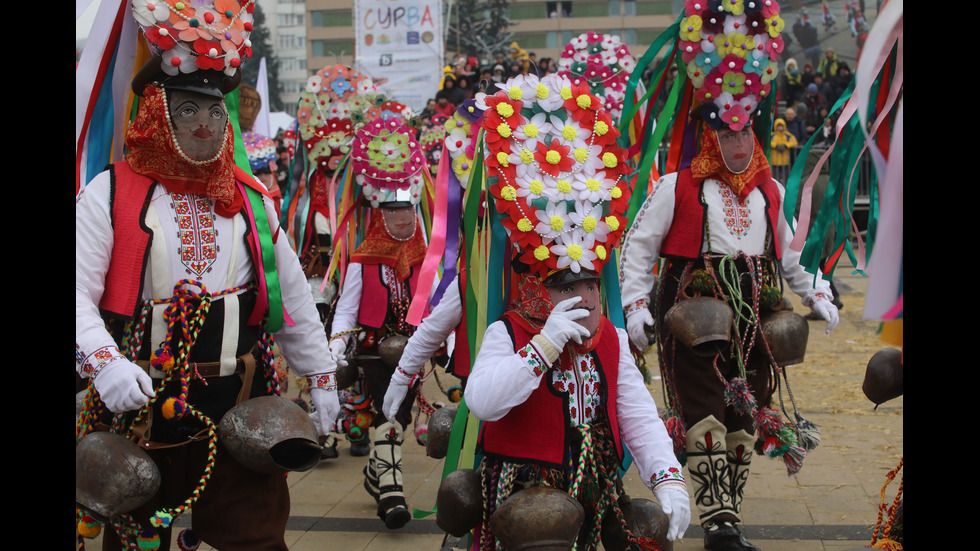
<point>88,527</point>
<point>808,433</point>
<point>738,395</point>
<point>174,408</point>
<point>187,540</point>
<point>162,359</point>
<point>162,519</point>
<point>677,432</point>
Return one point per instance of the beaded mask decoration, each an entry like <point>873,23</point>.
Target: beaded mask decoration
<point>197,34</point>
<point>556,172</point>
<point>604,62</point>
<point>731,48</point>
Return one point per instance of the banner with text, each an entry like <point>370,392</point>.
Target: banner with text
<point>399,44</point>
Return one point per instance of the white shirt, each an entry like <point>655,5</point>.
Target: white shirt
<point>502,379</point>
<point>733,227</point>
<point>189,242</point>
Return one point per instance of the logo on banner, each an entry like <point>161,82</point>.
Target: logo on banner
<point>412,37</point>
<point>384,60</point>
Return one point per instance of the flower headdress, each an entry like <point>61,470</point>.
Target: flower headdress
<point>325,113</point>
<point>461,135</point>
<point>604,62</point>
<point>387,160</point>
<point>731,49</point>
<point>259,149</point>
<point>192,35</point>
<point>555,172</point>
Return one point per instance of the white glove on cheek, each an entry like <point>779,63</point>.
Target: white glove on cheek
<point>636,325</point>
<point>826,310</point>
<point>675,503</point>
<point>123,386</point>
<point>561,326</point>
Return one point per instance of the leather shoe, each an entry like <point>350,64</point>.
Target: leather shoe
<point>360,449</point>
<point>720,535</point>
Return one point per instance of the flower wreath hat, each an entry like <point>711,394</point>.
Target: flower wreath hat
<point>555,172</point>
<point>602,60</point>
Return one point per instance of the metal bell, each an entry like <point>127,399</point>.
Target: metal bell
<point>439,428</point>
<point>703,324</point>
<point>270,434</point>
<point>884,379</point>
<point>787,333</point>
<point>644,519</point>
<point>539,518</point>
<point>390,349</point>
<point>113,475</point>
<point>346,374</point>
<point>459,502</point>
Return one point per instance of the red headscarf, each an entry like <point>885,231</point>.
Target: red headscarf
<point>153,152</point>
<point>380,248</point>
<point>531,308</point>
<point>708,163</point>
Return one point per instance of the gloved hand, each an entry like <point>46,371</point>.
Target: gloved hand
<point>676,504</point>
<point>397,390</point>
<point>561,326</point>
<point>826,310</point>
<point>338,351</point>
<point>123,386</point>
<point>326,407</point>
<point>636,324</point>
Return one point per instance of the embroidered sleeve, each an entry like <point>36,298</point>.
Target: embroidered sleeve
<point>89,365</point>
<point>533,359</point>
<point>636,305</point>
<point>670,475</point>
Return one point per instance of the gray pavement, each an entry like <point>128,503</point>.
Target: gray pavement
<point>830,505</point>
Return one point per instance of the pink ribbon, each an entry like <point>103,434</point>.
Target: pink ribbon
<point>437,244</point>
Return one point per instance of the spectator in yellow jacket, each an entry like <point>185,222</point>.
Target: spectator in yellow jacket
<point>782,142</point>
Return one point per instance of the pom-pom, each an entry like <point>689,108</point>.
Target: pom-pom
<point>162,519</point>
<point>793,458</point>
<point>88,527</point>
<point>421,432</point>
<point>677,433</point>
<point>148,540</point>
<point>162,359</point>
<point>770,297</point>
<point>808,433</point>
<point>174,408</point>
<point>187,540</point>
<point>738,395</point>
<point>702,282</point>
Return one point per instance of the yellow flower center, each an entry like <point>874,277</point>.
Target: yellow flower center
<point>575,252</point>
<point>524,225</point>
<point>515,92</point>
<point>566,93</point>
<point>569,133</point>
<point>536,187</point>
<point>601,128</point>
<point>557,223</point>
<point>616,192</point>
<point>600,252</point>
<point>552,157</point>
<point>527,157</point>
<point>609,159</point>
<point>593,184</point>
<point>530,130</point>
<point>589,224</point>
<point>584,101</point>
<point>502,159</point>
<point>505,110</point>
<point>581,154</point>
<point>541,91</point>
<point>504,130</point>
<point>612,222</point>
<point>508,193</point>
<point>542,253</point>
<point>564,186</point>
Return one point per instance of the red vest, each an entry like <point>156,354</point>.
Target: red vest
<point>686,232</point>
<point>376,296</point>
<point>537,431</point>
<point>129,198</point>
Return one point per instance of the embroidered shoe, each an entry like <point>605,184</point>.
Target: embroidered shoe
<point>720,535</point>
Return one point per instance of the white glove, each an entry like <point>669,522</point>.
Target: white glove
<point>826,310</point>
<point>676,504</point>
<point>636,324</point>
<point>561,326</point>
<point>397,390</point>
<point>326,407</point>
<point>123,386</point>
<point>338,351</point>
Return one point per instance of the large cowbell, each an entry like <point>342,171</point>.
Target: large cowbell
<point>113,476</point>
<point>270,434</point>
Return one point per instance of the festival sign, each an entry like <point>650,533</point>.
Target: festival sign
<point>399,44</point>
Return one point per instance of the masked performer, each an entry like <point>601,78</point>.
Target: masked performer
<point>181,270</point>
<point>718,225</point>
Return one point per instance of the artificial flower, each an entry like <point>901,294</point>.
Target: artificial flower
<point>554,159</point>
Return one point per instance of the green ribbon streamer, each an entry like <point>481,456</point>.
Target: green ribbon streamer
<point>274,316</point>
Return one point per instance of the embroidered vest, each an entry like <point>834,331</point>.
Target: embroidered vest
<point>537,431</point>
<point>376,295</point>
<point>686,234</point>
